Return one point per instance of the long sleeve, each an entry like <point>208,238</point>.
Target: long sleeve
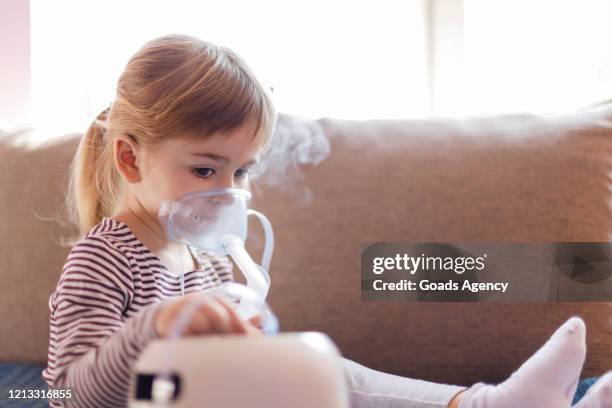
<point>93,345</point>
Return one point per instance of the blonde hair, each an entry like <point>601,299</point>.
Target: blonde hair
<point>175,84</point>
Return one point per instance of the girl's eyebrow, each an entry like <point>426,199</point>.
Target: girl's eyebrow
<point>222,159</point>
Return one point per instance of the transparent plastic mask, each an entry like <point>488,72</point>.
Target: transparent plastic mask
<point>201,218</point>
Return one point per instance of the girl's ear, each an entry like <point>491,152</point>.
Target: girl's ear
<point>126,152</point>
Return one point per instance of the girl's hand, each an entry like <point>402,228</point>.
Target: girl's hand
<point>256,320</point>
<point>213,315</point>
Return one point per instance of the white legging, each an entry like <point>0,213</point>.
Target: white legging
<point>374,389</point>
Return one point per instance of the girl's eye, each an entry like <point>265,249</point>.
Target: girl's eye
<point>241,173</point>
<point>204,172</point>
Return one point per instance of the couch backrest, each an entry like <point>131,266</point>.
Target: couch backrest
<point>504,178</point>
<point>509,178</point>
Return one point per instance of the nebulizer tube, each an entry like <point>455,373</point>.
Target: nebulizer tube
<point>269,236</point>
<point>257,276</point>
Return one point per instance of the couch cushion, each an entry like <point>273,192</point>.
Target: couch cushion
<point>33,178</point>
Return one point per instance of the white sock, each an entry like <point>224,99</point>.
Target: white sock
<point>548,379</point>
<point>599,395</point>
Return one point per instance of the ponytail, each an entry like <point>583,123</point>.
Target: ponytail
<point>94,184</point>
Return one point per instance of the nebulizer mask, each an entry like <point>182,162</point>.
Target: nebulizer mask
<point>216,221</point>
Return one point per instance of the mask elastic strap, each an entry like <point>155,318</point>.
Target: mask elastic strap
<point>269,238</point>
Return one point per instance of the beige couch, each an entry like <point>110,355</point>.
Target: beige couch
<point>505,178</point>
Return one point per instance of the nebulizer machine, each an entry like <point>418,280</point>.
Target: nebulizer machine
<point>296,369</point>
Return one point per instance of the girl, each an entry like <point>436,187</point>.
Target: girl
<point>190,115</point>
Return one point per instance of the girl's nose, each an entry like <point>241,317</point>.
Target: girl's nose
<point>223,199</point>
<point>225,182</point>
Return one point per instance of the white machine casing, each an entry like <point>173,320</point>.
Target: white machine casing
<point>297,370</point>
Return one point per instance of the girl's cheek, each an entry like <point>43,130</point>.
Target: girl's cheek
<point>170,183</point>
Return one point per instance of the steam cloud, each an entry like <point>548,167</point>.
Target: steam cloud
<point>296,142</point>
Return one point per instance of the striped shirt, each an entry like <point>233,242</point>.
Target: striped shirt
<point>102,311</point>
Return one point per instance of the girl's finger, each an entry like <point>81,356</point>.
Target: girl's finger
<point>255,320</point>
<point>254,331</point>
<point>238,325</point>
<point>242,326</point>
<point>218,315</point>
<point>199,323</point>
